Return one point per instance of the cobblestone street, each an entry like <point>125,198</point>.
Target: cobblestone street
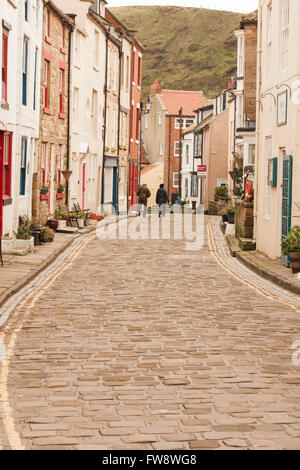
<point>143,345</point>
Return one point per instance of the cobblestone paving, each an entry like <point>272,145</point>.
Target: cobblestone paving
<point>142,345</point>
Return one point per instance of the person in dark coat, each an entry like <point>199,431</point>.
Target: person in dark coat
<point>143,195</point>
<point>161,200</point>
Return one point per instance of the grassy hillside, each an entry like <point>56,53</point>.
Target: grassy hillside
<point>186,48</point>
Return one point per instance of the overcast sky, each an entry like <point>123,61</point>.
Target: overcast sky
<point>233,5</point>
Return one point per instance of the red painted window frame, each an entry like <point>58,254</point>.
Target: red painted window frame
<point>44,163</point>
<point>137,124</point>
<point>60,163</point>
<point>6,190</point>
<point>47,36</point>
<point>4,63</point>
<point>61,91</point>
<point>139,71</point>
<point>46,85</point>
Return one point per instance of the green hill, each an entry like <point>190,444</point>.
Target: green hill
<point>186,48</point>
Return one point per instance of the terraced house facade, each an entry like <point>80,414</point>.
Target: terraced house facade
<point>53,155</point>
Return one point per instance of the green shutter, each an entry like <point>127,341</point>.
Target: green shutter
<point>275,172</point>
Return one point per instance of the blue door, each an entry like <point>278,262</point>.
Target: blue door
<point>115,189</point>
<point>287,176</point>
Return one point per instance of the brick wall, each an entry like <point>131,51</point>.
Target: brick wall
<point>250,70</point>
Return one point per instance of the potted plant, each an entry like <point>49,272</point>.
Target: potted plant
<point>47,235</point>
<point>44,189</point>
<point>231,215</point>
<point>52,222</point>
<point>291,247</point>
<point>224,214</point>
<point>61,188</point>
<point>24,240</point>
<point>35,230</point>
<point>221,193</point>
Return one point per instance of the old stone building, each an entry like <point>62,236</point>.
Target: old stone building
<point>53,156</point>
<point>161,130</point>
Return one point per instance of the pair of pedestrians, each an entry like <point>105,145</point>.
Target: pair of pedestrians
<point>162,198</point>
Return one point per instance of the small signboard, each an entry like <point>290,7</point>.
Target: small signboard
<point>202,171</point>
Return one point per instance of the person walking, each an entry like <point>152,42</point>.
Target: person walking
<point>143,195</point>
<point>161,200</point>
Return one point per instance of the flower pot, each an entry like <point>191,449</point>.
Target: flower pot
<point>60,190</point>
<point>36,234</point>
<point>80,223</point>
<point>231,217</point>
<point>44,191</point>
<point>224,218</point>
<point>53,224</point>
<point>295,262</point>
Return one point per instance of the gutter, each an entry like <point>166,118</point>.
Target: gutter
<point>69,113</point>
<point>258,115</point>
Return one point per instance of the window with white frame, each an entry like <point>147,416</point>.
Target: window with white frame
<point>267,186</point>
<point>94,114</point>
<point>96,48</point>
<point>76,107</point>
<point>187,154</point>
<point>285,14</point>
<point>146,122</point>
<point>175,180</point>
<point>108,67</point>
<point>107,127</point>
<point>159,119</point>
<point>161,148</point>
<point>113,129</point>
<point>251,154</point>
<point>176,149</point>
<point>77,45</point>
<point>186,188</point>
<point>241,43</point>
<point>186,122</point>
<point>115,72</point>
<point>269,41</point>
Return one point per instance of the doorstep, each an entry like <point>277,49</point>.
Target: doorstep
<point>266,267</point>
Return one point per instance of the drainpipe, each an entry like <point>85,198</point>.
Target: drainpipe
<point>104,125</point>
<point>169,159</point>
<point>234,142</point>
<point>258,115</point>
<point>119,124</point>
<point>69,113</point>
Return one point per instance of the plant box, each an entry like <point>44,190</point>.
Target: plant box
<point>25,244</point>
<point>44,197</point>
<point>295,262</point>
<point>60,195</point>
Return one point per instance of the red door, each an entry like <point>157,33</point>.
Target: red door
<point>1,180</point>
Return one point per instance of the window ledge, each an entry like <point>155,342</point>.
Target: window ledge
<point>5,105</point>
<point>62,116</point>
<point>97,68</point>
<point>47,111</point>
<point>63,50</point>
<point>48,40</point>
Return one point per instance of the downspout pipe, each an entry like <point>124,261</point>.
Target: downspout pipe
<point>69,113</point>
<point>258,117</point>
<point>119,123</point>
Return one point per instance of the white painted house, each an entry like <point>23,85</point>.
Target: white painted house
<point>278,118</point>
<point>87,97</point>
<point>21,35</point>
